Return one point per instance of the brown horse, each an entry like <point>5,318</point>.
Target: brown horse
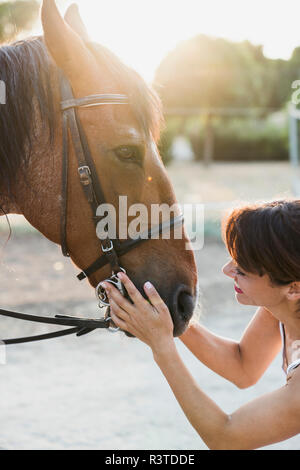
<point>123,144</point>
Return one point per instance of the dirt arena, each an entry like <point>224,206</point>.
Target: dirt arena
<point>104,391</point>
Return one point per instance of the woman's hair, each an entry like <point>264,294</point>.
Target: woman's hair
<point>265,239</point>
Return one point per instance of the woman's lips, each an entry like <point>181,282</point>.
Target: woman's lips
<point>239,291</point>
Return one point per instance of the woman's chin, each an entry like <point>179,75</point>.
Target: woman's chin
<point>243,299</point>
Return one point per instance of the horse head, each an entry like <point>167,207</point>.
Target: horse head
<point>123,144</point>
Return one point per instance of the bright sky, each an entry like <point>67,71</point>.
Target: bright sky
<point>142,32</point>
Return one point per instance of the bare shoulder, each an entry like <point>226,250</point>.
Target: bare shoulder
<point>293,391</point>
<point>293,381</point>
<point>263,323</point>
<point>260,343</point>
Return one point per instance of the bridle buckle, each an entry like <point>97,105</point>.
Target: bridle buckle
<point>109,248</point>
<point>85,175</point>
<point>101,293</point>
<point>111,328</point>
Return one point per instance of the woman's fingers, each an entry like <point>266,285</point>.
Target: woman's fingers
<point>120,318</point>
<point>130,313</point>
<point>148,320</point>
<point>133,292</point>
<point>114,307</point>
<point>137,297</point>
<point>113,294</point>
<point>154,297</point>
<point>118,321</point>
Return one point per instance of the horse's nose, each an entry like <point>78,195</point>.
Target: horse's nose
<point>183,309</point>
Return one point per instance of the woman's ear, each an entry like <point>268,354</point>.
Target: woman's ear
<point>294,291</point>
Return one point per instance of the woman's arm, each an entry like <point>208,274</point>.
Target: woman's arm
<point>269,419</point>
<point>266,420</point>
<point>243,362</point>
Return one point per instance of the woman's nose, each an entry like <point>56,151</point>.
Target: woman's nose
<point>228,269</point>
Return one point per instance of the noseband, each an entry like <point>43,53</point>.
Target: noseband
<point>111,250</point>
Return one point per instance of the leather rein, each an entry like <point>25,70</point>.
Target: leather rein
<point>111,250</point>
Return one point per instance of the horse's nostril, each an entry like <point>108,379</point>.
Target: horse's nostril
<point>184,304</point>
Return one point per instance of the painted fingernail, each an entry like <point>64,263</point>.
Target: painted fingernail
<point>148,285</point>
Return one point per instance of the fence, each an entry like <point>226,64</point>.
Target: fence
<point>294,118</point>
<point>209,115</point>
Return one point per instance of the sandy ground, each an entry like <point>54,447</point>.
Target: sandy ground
<point>104,391</point>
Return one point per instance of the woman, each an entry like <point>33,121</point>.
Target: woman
<point>264,244</point>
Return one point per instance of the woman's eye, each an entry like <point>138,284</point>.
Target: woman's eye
<point>239,272</point>
<point>128,153</point>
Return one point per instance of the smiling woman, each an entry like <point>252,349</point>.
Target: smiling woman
<point>263,241</point>
<point>255,237</point>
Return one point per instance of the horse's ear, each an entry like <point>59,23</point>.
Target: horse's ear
<point>73,18</point>
<point>64,44</point>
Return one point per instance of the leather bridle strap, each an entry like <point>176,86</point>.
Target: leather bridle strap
<point>93,100</point>
<point>89,179</point>
<point>80,326</point>
<point>86,168</point>
<point>64,191</point>
<point>33,339</point>
<point>129,245</point>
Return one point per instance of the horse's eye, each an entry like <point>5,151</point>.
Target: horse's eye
<point>128,153</point>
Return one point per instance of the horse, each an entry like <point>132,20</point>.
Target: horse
<point>123,142</point>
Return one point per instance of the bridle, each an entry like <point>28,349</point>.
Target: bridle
<point>111,250</point>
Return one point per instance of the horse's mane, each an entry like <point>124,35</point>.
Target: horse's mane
<point>26,69</point>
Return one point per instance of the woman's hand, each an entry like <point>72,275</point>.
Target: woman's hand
<point>150,321</point>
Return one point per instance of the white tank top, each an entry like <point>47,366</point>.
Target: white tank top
<point>285,365</point>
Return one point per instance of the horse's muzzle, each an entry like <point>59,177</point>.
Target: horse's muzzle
<point>182,308</point>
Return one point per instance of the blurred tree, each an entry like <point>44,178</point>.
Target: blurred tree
<point>216,73</point>
<point>16,16</point>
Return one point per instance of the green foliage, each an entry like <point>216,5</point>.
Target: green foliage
<point>165,145</point>
<point>216,73</point>
<point>213,73</point>
<point>172,129</point>
<point>16,16</point>
<point>247,139</point>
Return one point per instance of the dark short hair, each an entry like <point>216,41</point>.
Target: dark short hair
<point>265,239</point>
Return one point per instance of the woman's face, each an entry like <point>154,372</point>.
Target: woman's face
<point>252,289</point>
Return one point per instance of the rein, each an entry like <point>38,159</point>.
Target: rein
<point>111,250</point>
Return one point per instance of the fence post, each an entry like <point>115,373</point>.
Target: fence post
<point>293,123</point>
<point>294,150</point>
